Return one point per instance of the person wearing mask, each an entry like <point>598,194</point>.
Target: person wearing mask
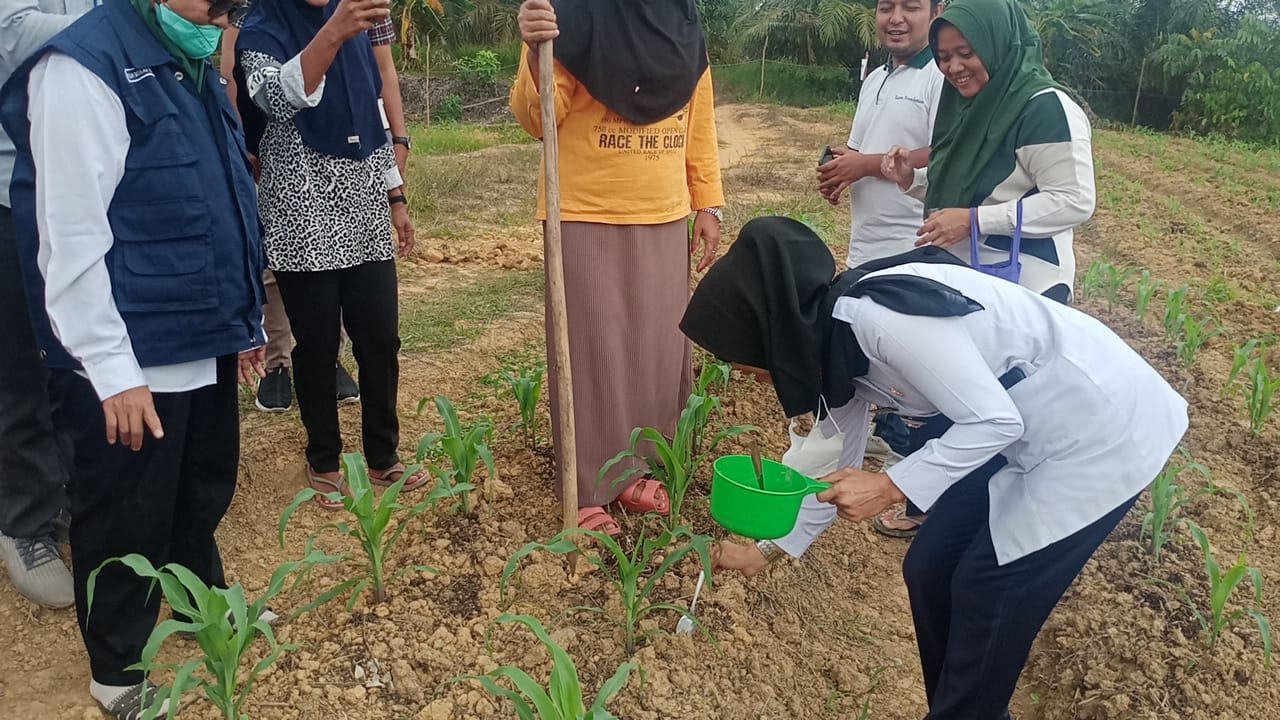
<point>34,469</point>
<point>330,195</point>
<point>1017,372</point>
<point>140,242</point>
<point>638,156</point>
<point>275,391</point>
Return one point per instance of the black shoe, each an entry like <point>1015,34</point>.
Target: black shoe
<point>275,392</point>
<point>348,390</point>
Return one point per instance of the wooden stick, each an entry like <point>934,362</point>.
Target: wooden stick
<point>554,259</point>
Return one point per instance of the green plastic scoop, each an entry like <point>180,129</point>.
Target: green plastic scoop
<point>740,505</point>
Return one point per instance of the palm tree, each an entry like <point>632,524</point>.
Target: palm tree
<point>804,30</point>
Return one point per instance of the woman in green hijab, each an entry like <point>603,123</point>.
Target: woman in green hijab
<point>1006,136</point>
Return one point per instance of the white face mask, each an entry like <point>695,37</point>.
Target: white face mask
<point>818,454</point>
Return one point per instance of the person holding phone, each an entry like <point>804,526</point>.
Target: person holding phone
<point>330,195</point>
<point>139,236</point>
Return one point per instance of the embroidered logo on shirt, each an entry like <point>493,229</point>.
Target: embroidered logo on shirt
<point>133,75</point>
<point>908,98</point>
<point>896,391</point>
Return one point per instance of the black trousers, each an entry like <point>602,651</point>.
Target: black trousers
<point>34,465</point>
<point>163,502</point>
<point>975,620</point>
<point>363,298</point>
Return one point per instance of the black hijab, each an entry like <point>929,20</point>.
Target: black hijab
<point>640,58</point>
<point>768,303</point>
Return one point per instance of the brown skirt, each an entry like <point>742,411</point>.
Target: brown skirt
<point>626,288</point>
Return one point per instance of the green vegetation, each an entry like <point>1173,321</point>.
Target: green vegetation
<point>444,138</point>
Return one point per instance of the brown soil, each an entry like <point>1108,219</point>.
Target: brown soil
<point>815,638</point>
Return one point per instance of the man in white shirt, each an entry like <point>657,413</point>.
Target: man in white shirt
<point>895,107</point>
<point>33,469</point>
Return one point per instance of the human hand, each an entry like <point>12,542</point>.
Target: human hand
<point>944,227</point>
<point>835,176</point>
<point>403,224</point>
<point>128,414</point>
<point>859,495</point>
<point>706,230</point>
<point>537,21</point>
<point>353,17</point>
<point>896,167</point>
<point>252,365</point>
<point>746,559</point>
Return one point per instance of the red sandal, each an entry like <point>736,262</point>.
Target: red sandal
<point>599,520</point>
<point>392,475</point>
<point>645,495</point>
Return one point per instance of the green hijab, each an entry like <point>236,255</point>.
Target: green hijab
<point>195,68</point>
<point>969,131</point>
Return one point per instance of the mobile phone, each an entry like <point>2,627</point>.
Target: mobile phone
<point>827,156</point>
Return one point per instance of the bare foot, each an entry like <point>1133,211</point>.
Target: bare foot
<point>746,559</point>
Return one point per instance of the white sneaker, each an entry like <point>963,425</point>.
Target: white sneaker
<point>879,449</point>
<point>38,571</point>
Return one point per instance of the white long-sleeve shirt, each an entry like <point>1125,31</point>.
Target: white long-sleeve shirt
<point>1088,428</point>
<point>25,25</point>
<point>79,141</point>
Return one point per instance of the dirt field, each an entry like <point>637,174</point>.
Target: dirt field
<point>818,638</point>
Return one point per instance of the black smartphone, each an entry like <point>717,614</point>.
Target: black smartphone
<point>827,156</point>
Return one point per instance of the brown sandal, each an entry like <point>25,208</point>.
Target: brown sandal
<point>392,475</point>
<point>339,485</point>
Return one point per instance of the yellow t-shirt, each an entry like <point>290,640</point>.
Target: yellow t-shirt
<point>616,172</point>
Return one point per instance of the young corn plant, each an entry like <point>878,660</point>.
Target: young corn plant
<point>1242,355</point>
<point>562,698</point>
<point>465,449</point>
<point>1260,392</point>
<point>1143,292</point>
<point>1173,314</point>
<point>674,461</point>
<point>371,526</point>
<point>225,625</point>
<point>526,387</point>
<point>1222,584</point>
<point>1167,498</point>
<point>1193,335</point>
<point>1094,279</point>
<point>1114,278</point>
<point>630,574</point>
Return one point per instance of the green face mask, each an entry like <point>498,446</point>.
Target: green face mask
<point>197,41</point>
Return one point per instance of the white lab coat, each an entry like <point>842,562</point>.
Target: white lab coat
<point>1088,428</point>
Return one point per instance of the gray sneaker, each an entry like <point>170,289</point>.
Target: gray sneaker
<point>38,571</point>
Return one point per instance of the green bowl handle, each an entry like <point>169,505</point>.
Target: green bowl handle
<point>815,486</point>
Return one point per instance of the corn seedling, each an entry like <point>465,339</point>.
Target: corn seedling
<point>562,698</point>
<point>1194,334</point>
<point>1167,498</point>
<point>465,448</point>
<point>224,623</point>
<point>629,573</point>
<point>373,528</point>
<point>1221,586</point>
<point>1242,355</point>
<point>714,376</point>
<point>526,388</point>
<point>1260,388</point>
<point>1143,292</point>
<point>674,461</point>
<point>1114,279</point>
<point>1173,313</point>
<point>1094,279</point>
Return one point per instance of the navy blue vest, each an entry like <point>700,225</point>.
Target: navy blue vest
<point>186,262</point>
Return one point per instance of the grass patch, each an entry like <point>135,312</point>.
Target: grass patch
<point>784,84</point>
<point>449,138</point>
<point>463,313</point>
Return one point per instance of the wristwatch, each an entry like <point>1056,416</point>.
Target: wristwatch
<point>770,550</point>
<point>715,212</point>
<point>404,140</point>
<point>397,198</point>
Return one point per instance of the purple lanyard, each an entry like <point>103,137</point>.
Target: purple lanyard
<point>1010,269</point>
